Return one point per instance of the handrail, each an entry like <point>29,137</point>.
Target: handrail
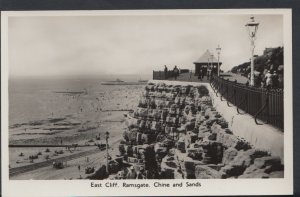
<point>233,95</point>
<point>238,106</point>
<point>259,111</point>
<point>253,100</point>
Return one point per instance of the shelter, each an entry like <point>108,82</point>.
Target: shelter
<point>207,63</point>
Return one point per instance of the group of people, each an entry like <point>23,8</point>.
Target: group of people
<point>175,72</point>
<point>269,79</point>
<point>202,73</point>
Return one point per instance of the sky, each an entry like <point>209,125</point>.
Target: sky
<point>130,44</point>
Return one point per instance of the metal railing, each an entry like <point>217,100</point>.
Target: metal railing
<point>265,105</point>
<point>160,75</point>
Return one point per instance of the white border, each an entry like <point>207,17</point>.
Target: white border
<point>209,187</point>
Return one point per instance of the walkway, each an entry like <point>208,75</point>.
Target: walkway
<point>193,78</point>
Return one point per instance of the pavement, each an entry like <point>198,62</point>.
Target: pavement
<point>192,78</point>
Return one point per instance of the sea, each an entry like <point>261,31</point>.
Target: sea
<point>34,98</point>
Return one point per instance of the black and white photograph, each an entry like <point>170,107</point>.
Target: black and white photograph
<point>146,97</point>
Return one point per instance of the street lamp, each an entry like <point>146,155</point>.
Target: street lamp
<point>208,66</point>
<point>218,49</point>
<point>252,27</point>
<point>106,138</point>
<point>212,64</point>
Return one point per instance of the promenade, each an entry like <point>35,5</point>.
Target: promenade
<point>192,78</point>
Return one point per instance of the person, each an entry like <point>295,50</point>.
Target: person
<point>78,167</point>
<point>208,73</point>
<point>166,72</point>
<point>175,72</point>
<point>200,75</point>
<point>258,80</point>
<point>269,81</point>
<point>275,79</point>
<point>203,73</point>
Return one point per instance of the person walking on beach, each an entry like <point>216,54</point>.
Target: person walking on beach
<point>166,72</point>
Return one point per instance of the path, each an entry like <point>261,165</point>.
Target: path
<point>19,170</point>
<point>231,76</point>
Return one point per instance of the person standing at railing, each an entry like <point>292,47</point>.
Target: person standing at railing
<point>275,79</point>
<point>200,75</point>
<point>175,72</point>
<point>166,72</point>
<point>269,81</point>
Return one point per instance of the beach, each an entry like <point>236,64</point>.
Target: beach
<point>72,114</point>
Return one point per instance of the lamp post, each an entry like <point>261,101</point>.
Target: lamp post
<point>106,138</point>
<point>218,49</point>
<point>212,64</point>
<point>208,66</point>
<point>252,27</point>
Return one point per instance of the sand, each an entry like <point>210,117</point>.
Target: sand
<point>65,119</point>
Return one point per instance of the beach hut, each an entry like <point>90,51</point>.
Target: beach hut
<point>207,62</point>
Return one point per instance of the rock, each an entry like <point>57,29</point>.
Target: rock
<point>211,121</point>
<point>205,172</point>
<point>263,162</point>
<point>212,136</point>
<point>113,166</point>
<point>132,160</point>
<point>216,128</point>
<point>256,153</point>
<point>242,160</point>
<point>195,153</point>
<point>100,174</point>
<point>122,149</point>
<point>231,171</point>
<point>160,151</point>
<point>212,152</point>
<point>129,150</point>
<point>277,174</point>
<point>229,155</point>
<point>167,173</point>
<point>203,129</point>
<point>193,137</point>
<point>145,138</point>
<point>181,146</point>
<point>256,174</point>
<point>223,123</point>
<point>189,169</point>
<point>227,140</point>
<point>228,131</point>
<point>242,145</point>
<point>252,169</point>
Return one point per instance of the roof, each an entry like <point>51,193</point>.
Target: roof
<point>204,58</point>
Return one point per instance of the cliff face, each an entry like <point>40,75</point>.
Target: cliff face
<point>271,59</point>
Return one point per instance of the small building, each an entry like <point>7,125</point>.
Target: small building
<point>207,63</point>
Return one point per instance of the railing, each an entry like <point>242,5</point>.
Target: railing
<point>265,105</point>
<point>160,75</point>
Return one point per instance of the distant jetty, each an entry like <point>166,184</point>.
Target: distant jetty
<point>120,82</point>
<point>71,92</point>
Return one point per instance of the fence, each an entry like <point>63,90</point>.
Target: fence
<point>265,105</point>
<point>160,75</point>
